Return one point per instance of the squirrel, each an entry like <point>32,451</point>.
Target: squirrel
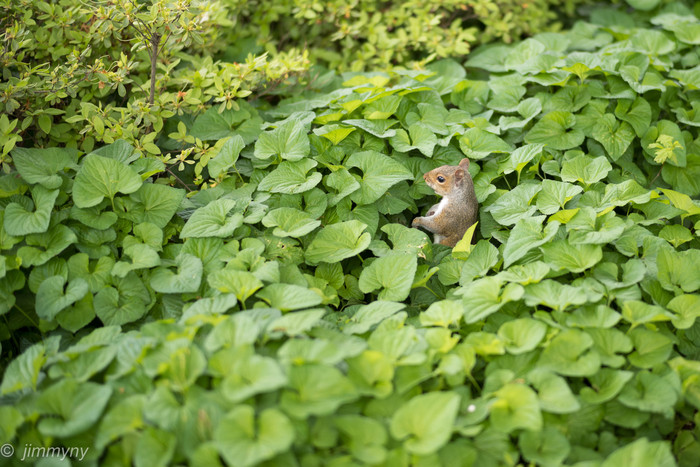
<point>457,210</point>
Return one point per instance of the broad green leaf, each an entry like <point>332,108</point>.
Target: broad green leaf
<point>624,193</point>
<point>522,335</point>
<point>427,420</point>
<point>154,203</point>
<point>19,221</point>
<point>478,144</point>
<point>288,141</point>
<point>515,406</point>
<point>316,390</point>
<point>553,392</point>
<point>187,279</point>
<point>23,371</point>
<point>642,452</point>
<point>100,177</point>
<point>393,274</point>
<point>213,220</point>
<point>570,354</point>
<point>418,137</point>
<point>338,241</point>
<point>648,392</point>
<point>242,284</point>
<point>367,437</point>
<point>518,159</point>
<point>154,448</point>
<point>382,108</point>
<point>444,313</point>
<point>379,173</point>
<point>43,166</point>
<point>613,135</point>
<point>51,298</point>
<point>554,294</point>
<point>226,157</point>
<point>585,169</point>
<point>525,236</point>
<point>379,128</point>
<point>679,269</point>
<point>297,323</point>
<point>121,419</point>
<point>605,385</point>
<point>561,254</point>
<point>334,133</point>
<point>52,242</point>
<point>482,258</point>
<point>290,222</point>
<point>369,315</point>
<point>554,195</point>
<point>248,374</point>
<point>637,113</point>
<point>114,308</point>
<point>484,297</point>
<point>291,177</point>
<point>651,348</point>
<point>245,439</point>
<point>287,297</point>
<point>515,204</point>
<point>74,407</point>
<point>686,308</point>
<point>546,447</point>
<point>527,108</point>
<point>556,130</point>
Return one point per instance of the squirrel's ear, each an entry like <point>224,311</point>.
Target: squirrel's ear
<point>464,163</point>
<point>459,174</point>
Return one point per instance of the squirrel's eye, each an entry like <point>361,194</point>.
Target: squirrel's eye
<point>441,179</point>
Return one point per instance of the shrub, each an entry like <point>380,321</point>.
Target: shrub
<point>286,315</point>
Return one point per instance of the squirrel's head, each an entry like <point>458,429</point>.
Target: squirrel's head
<point>446,178</point>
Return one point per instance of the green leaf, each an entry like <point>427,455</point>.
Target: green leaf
<point>23,371</point>
<point>187,279</point>
<point>382,108</point>
<point>614,137</point>
<point>686,308</point>
<point>316,390</point>
<point>297,323</point>
<point>50,298</point>
<point>246,440</point>
<point>478,144</point>
<point>74,407</point>
<point>288,141</point>
<point>444,313</point>
<point>679,269</point>
<point>419,137</point>
<point>241,283</point>
<point>20,221</point>
<point>43,166</point>
<point>379,128</point>
<point>546,447</point>
<point>226,157</point>
<point>338,241</point>
<point>556,130</point>
<point>484,297</point>
<point>369,315</point>
<point>525,236</point>
<point>570,354</point>
<point>637,113</point>
<point>561,254</point>
<point>287,297</point>
<point>642,452</point>
<point>114,308</point>
<point>213,220</point>
<point>54,241</point>
<point>554,295</point>
<point>290,177</point>
<point>605,385</point>
<point>515,204</point>
<point>427,420</point>
<point>515,406</point>
<point>553,392</point>
<point>101,177</point>
<point>290,222</point>
<point>248,374</point>
<point>123,418</point>
<point>649,392</point>
<point>393,274</point>
<point>379,173</point>
<point>154,448</point>
<point>522,335</point>
<point>518,159</point>
<point>585,169</point>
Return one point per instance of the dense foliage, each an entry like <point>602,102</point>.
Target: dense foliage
<point>285,314</point>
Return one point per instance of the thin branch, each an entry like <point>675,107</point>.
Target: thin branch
<point>179,180</point>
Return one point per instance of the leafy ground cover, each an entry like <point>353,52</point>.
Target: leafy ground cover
<point>286,314</point>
